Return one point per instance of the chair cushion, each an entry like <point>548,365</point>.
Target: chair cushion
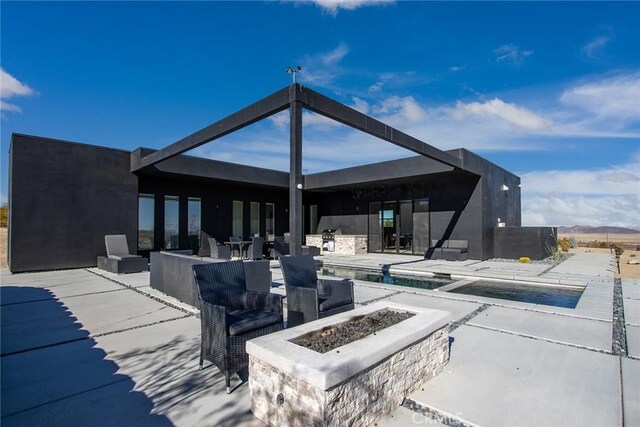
<point>454,250</point>
<point>243,321</point>
<point>333,293</point>
<point>116,244</point>
<point>458,244</point>
<point>120,257</point>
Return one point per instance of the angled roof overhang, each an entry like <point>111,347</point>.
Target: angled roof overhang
<point>309,99</point>
<point>296,97</point>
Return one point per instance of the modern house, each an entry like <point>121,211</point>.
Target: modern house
<point>65,197</point>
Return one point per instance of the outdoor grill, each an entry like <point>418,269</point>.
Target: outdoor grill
<point>329,239</point>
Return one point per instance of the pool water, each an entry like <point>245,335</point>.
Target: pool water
<point>378,277</point>
<point>545,295</point>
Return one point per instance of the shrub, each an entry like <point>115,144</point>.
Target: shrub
<point>552,247</point>
<point>564,245</point>
<point>573,242</point>
<point>4,215</point>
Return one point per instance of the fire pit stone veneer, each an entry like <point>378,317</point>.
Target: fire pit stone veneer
<point>355,384</point>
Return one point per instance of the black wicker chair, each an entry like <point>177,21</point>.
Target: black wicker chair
<point>230,316</point>
<point>310,298</point>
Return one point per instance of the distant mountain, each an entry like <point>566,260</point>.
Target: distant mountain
<point>585,229</point>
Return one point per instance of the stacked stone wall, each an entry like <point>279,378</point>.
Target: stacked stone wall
<point>281,399</point>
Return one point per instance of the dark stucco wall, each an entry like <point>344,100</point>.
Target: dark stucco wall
<point>532,242</point>
<point>216,205</point>
<point>496,203</point>
<point>455,203</point>
<point>64,198</point>
<point>464,205</point>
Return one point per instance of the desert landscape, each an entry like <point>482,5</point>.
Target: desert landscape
<point>630,242</point>
<point>3,247</point>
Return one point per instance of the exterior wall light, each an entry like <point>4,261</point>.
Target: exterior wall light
<point>299,186</point>
<point>504,188</point>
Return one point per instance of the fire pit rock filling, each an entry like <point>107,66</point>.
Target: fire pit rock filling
<point>347,369</point>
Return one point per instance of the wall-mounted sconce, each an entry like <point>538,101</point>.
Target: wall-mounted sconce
<point>519,185</point>
<point>504,188</point>
<point>299,186</point>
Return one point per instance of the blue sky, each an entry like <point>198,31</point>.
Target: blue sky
<point>548,91</point>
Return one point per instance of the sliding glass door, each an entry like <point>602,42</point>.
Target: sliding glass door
<point>400,227</point>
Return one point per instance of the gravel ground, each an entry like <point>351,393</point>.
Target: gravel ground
<point>351,330</point>
<point>546,261</point>
<point>619,344</point>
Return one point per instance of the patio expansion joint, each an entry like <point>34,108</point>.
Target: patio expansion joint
<point>433,415</point>
<point>139,326</point>
<point>619,338</point>
<point>381,298</point>
<point>537,338</point>
<point>146,294</point>
<point>455,325</point>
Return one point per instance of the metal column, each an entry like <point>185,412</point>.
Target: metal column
<point>295,172</point>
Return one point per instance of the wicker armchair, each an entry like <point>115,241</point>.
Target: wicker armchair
<point>218,251</point>
<point>230,316</point>
<point>310,298</point>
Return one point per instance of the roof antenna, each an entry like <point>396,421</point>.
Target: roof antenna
<point>294,71</point>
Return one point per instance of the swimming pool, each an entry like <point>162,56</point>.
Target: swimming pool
<point>535,294</point>
<point>379,277</point>
<point>530,293</point>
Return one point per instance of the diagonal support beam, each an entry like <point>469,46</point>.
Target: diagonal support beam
<point>327,107</point>
<point>262,109</point>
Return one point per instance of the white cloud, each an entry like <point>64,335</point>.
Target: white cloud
<point>511,53</point>
<point>324,68</point>
<point>6,106</point>
<point>333,6</point>
<point>402,111</point>
<point>611,98</point>
<point>554,210</point>
<point>9,88</point>
<point>609,196</point>
<point>457,68</point>
<point>336,55</point>
<point>497,108</point>
<point>397,79</point>
<point>594,46</point>
<point>360,105</point>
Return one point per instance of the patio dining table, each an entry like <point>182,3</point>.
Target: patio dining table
<point>239,244</point>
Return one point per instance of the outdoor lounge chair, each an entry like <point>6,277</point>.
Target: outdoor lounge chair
<point>218,251</point>
<point>310,298</point>
<point>230,316</point>
<point>118,259</point>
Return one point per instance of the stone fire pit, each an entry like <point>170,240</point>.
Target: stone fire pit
<point>355,384</point>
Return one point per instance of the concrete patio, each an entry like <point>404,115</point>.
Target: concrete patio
<point>84,347</point>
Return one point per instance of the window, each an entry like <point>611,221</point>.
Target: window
<point>313,219</point>
<point>171,221</point>
<point>254,218</point>
<point>236,225</point>
<point>193,224</point>
<point>145,221</point>
<point>270,219</point>
<point>421,231</point>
